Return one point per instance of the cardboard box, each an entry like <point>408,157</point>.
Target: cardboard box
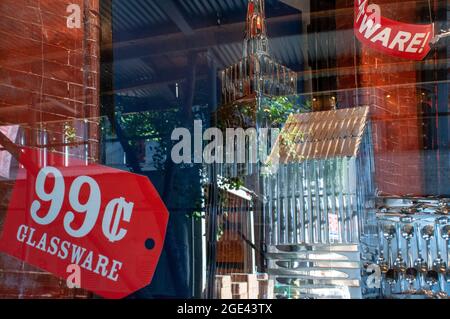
<point>238,288</point>
<point>266,289</point>
<point>252,284</point>
<point>224,293</point>
<point>243,277</point>
<point>223,281</point>
<point>253,293</point>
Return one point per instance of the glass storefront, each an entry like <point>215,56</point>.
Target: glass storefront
<point>224,149</point>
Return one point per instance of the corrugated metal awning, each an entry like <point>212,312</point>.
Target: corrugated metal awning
<point>321,135</point>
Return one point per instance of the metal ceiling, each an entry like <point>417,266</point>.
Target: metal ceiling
<point>137,19</point>
<point>152,41</point>
<point>130,15</point>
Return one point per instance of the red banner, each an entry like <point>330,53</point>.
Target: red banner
<point>408,41</point>
<point>108,224</point>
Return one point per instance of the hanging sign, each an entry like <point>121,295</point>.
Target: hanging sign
<point>108,223</point>
<point>408,41</point>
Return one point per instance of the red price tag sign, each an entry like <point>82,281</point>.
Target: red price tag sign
<point>110,223</point>
<point>395,38</point>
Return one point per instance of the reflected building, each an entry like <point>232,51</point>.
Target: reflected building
<point>234,198</point>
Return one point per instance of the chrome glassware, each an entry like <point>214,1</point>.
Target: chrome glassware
<point>431,277</point>
<point>381,261</point>
<point>399,263</point>
<point>411,272</point>
<point>420,264</point>
<point>445,234</point>
<point>439,264</point>
<point>443,208</point>
<point>389,234</point>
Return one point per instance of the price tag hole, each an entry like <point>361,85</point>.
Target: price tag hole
<point>149,244</point>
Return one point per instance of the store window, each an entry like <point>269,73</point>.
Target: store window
<point>251,149</point>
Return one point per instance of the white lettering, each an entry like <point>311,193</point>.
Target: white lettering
<point>91,208</point>
<point>77,254</point>
<point>400,39</point>
<point>53,249</point>
<point>121,211</point>
<point>64,250</point>
<point>368,27</point>
<point>362,9</point>
<point>30,241</point>
<point>416,40</point>
<point>87,264</point>
<point>117,265</point>
<point>101,265</point>
<point>383,36</point>
<point>42,243</point>
<point>22,233</point>
<point>56,196</point>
